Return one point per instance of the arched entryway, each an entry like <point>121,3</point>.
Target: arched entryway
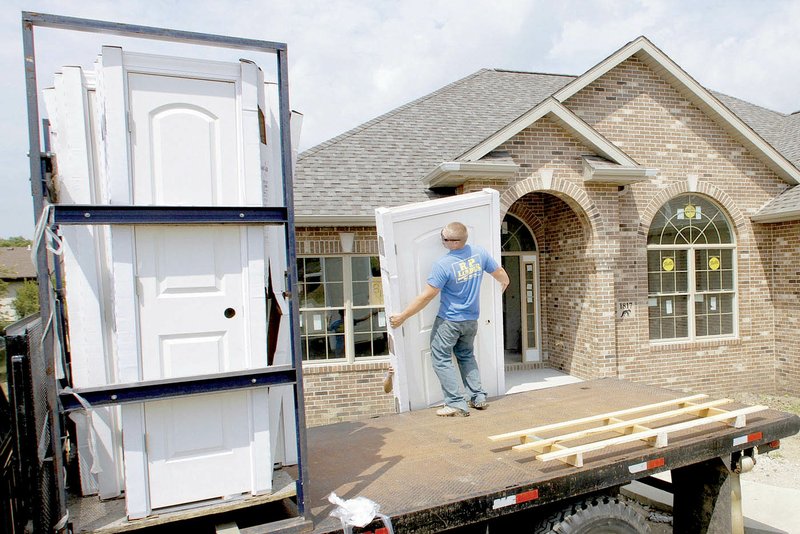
<point>549,248</point>
<point>521,303</point>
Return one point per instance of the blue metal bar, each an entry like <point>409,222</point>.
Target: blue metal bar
<point>38,192</point>
<point>287,167</point>
<point>82,214</point>
<point>177,387</point>
<point>148,32</point>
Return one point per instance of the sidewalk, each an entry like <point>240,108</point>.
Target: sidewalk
<point>766,509</point>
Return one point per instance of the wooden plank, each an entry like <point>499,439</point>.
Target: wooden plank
<point>227,528</point>
<point>522,434</point>
<point>736,415</point>
<point>622,426</point>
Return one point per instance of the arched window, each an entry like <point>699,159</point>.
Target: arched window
<point>515,236</point>
<point>691,271</point>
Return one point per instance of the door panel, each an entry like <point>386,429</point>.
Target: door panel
<point>410,242</point>
<point>188,278</point>
<point>184,140</point>
<point>199,291</point>
<point>183,462</point>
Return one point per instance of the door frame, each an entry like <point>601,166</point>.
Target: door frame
<point>528,258</point>
<point>531,354</point>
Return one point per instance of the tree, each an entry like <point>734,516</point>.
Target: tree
<point>27,300</point>
<point>16,241</point>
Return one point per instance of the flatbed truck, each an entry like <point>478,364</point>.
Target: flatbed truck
<point>432,474</point>
<point>426,473</point>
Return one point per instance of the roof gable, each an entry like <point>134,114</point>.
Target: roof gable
<point>562,116</point>
<point>661,64</point>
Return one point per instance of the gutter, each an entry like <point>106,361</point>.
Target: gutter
<point>334,220</point>
<point>455,173</point>
<point>783,216</point>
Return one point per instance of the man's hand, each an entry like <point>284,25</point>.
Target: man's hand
<point>419,302</point>
<point>396,320</point>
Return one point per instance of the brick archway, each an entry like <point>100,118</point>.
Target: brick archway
<point>544,182</point>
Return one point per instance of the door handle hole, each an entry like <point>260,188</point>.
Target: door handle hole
<point>229,312</point>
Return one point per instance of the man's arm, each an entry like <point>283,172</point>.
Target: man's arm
<point>416,305</point>
<point>501,276</point>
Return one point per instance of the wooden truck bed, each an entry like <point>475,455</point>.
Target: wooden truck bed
<point>431,473</point>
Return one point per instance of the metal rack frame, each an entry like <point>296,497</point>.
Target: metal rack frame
<point>58,400</point>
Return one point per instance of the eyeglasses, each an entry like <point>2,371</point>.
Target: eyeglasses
<point>450,240</point>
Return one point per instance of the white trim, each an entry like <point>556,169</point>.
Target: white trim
<point>643,47</point>
<point>782,216</point>
<point>566,119</point>
<point>182,66</point>
<point>455,173</point>
<point>615,174</point>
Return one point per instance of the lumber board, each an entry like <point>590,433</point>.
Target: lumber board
<point>523,434</point>
<point>659,433</point>
<point>623,426</point>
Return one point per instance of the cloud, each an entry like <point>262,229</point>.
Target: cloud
<point>351,61</point>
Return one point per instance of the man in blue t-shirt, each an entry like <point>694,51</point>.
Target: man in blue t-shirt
<point>457,277</point>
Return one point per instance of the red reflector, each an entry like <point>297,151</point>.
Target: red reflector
<point>528,496</point>
<point>652,464</point>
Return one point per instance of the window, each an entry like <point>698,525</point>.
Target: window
<point>341,308</point>
<point>691,271</point>
<point>515,235</point>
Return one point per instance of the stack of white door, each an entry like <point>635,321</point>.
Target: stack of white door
<point>150,302</point>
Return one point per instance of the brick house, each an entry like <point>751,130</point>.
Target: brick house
<point>651,228</point>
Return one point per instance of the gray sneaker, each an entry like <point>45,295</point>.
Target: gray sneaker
<point>478,405</point>
<point>449,411</point>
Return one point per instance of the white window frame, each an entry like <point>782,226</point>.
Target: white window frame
<point>692,291</point>
<point>349,307</point>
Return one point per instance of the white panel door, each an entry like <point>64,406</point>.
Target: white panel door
<point>185,139</point>
<point>410,241</point>
<point>199,289</point>
<point>191,300</point>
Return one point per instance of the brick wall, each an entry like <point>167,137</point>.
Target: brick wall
<point>319,241</point>
<point>786,296</point>
<point>584,280</point>
<point>342,391</point>
<point>345,392</point>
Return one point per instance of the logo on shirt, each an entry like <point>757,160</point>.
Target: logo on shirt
<point>467,269</point>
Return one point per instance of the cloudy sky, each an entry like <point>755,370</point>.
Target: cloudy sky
<point>351,60</point>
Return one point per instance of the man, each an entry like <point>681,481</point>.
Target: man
<point>457,276</point>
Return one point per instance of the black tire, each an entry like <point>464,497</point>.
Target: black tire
<point>596,515</point>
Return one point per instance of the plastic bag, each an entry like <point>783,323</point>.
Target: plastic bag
<point>358,512</point>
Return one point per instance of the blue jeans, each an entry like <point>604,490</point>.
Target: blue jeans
<point>456,338</point>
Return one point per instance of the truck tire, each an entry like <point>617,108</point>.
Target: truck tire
<point>597,515</point>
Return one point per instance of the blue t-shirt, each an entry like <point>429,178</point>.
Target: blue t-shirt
<point>458,275</point>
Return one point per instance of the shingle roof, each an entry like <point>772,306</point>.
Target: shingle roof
<point>16,263</point>
<point>382,162</point>
<point>780,130</point>
<point>786,207</point>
